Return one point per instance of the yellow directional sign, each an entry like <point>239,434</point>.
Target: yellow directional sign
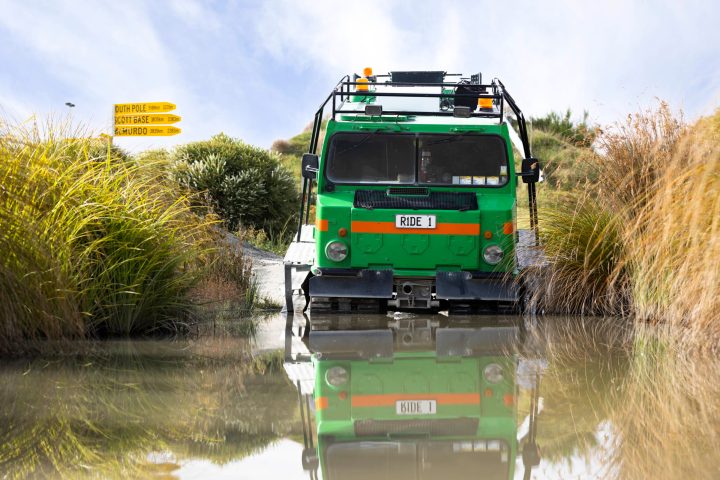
<point>146,131</point>
<point>150,107</point>
<point>148,119</point>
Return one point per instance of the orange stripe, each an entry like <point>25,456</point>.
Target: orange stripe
<point>321,225</point>
<point>390,399</point>
<point>321,403</point>
<point>508,228</point>
<point>442,228</point>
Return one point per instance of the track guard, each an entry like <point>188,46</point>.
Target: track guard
<point>364,284</point>
<point>465,286</point>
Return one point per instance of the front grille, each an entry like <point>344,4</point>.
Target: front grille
<point>407,191</point>
<point>372,199</point>
<point>443,426</point>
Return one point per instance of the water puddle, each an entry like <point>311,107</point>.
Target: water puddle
<point>372,397</point>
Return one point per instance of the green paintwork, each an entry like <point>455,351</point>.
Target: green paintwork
<point>417,254</point>
<point>417,373</point>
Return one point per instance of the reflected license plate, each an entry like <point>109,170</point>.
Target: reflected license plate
<point>416,407</point>
<point>415,221</point>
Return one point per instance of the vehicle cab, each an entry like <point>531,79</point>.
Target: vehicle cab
<point>416,195</point>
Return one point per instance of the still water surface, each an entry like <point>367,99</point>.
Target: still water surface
<point>412,397</point>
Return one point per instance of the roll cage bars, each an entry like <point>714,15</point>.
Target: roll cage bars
<point>343,91</point>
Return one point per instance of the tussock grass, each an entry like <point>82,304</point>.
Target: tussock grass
<point>677,235</point>
<point>643,234</point>
<point>585,250</point>
<point>91,242</point>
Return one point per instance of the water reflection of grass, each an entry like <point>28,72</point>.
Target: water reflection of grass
<point>670,420</point>
<point>101,414</point>
<point>587,361</point>
<point>659,394</point>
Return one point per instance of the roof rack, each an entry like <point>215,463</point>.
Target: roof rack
<point>346,88</point>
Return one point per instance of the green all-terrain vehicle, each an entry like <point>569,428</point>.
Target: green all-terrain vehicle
<point>415,204</point>
<point>410,406</point>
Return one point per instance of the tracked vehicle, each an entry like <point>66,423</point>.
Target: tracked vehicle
<point>414,196</point>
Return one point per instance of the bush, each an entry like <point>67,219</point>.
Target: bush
<point>245,185</point>
<point>577,133</point>
<point>565,165</point>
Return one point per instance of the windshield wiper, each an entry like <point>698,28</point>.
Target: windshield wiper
<point>356,145</point>
<point>449,139</point>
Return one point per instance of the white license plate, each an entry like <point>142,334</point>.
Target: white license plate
<point>416,407</point>
<point>415,221</point>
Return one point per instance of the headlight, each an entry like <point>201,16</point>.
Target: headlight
<point>336,251</point>
<point>336,376</point>
<point>493,254</point>
<point>493,373</point>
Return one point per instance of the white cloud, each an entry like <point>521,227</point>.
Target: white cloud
<point>258,69</point>
<point>608,57</point>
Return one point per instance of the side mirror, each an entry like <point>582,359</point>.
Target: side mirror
<point>530,170</point>
<point>310,165</point>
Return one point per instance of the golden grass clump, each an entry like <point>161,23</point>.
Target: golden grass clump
<point>643,234</point>
<point>632,157</point>
<point>582,241</point>
<point>91,242</point>
<point>674,243</point>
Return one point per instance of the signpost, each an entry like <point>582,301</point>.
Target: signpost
<point>149,107</point>
<point>149,119</point>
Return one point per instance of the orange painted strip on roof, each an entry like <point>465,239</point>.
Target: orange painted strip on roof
<point>441,229</point>
<point>321,403</point>
<point>389,399</point>
<point>321,225</point>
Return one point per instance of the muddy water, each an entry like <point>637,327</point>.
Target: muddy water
<point>486,398</point>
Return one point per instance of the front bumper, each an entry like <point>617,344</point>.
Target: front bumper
<point>380,284</point>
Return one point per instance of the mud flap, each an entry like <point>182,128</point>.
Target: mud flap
<point>365,284</point>
<point>466,286</point>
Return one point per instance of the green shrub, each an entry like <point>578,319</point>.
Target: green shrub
<point>577,133</point>
<point>565,165</point>
<point>246,185</point>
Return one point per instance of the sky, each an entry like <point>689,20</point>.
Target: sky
<point>258,70</point>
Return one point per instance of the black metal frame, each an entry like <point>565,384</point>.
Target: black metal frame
<point>344,91</point>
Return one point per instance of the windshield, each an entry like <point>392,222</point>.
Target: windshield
<point>456,159</point>
<point>371,158</point>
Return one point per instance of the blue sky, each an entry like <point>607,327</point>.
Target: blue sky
<point>257,70</point>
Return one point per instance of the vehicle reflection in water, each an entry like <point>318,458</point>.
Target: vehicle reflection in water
<point>416,398</point>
